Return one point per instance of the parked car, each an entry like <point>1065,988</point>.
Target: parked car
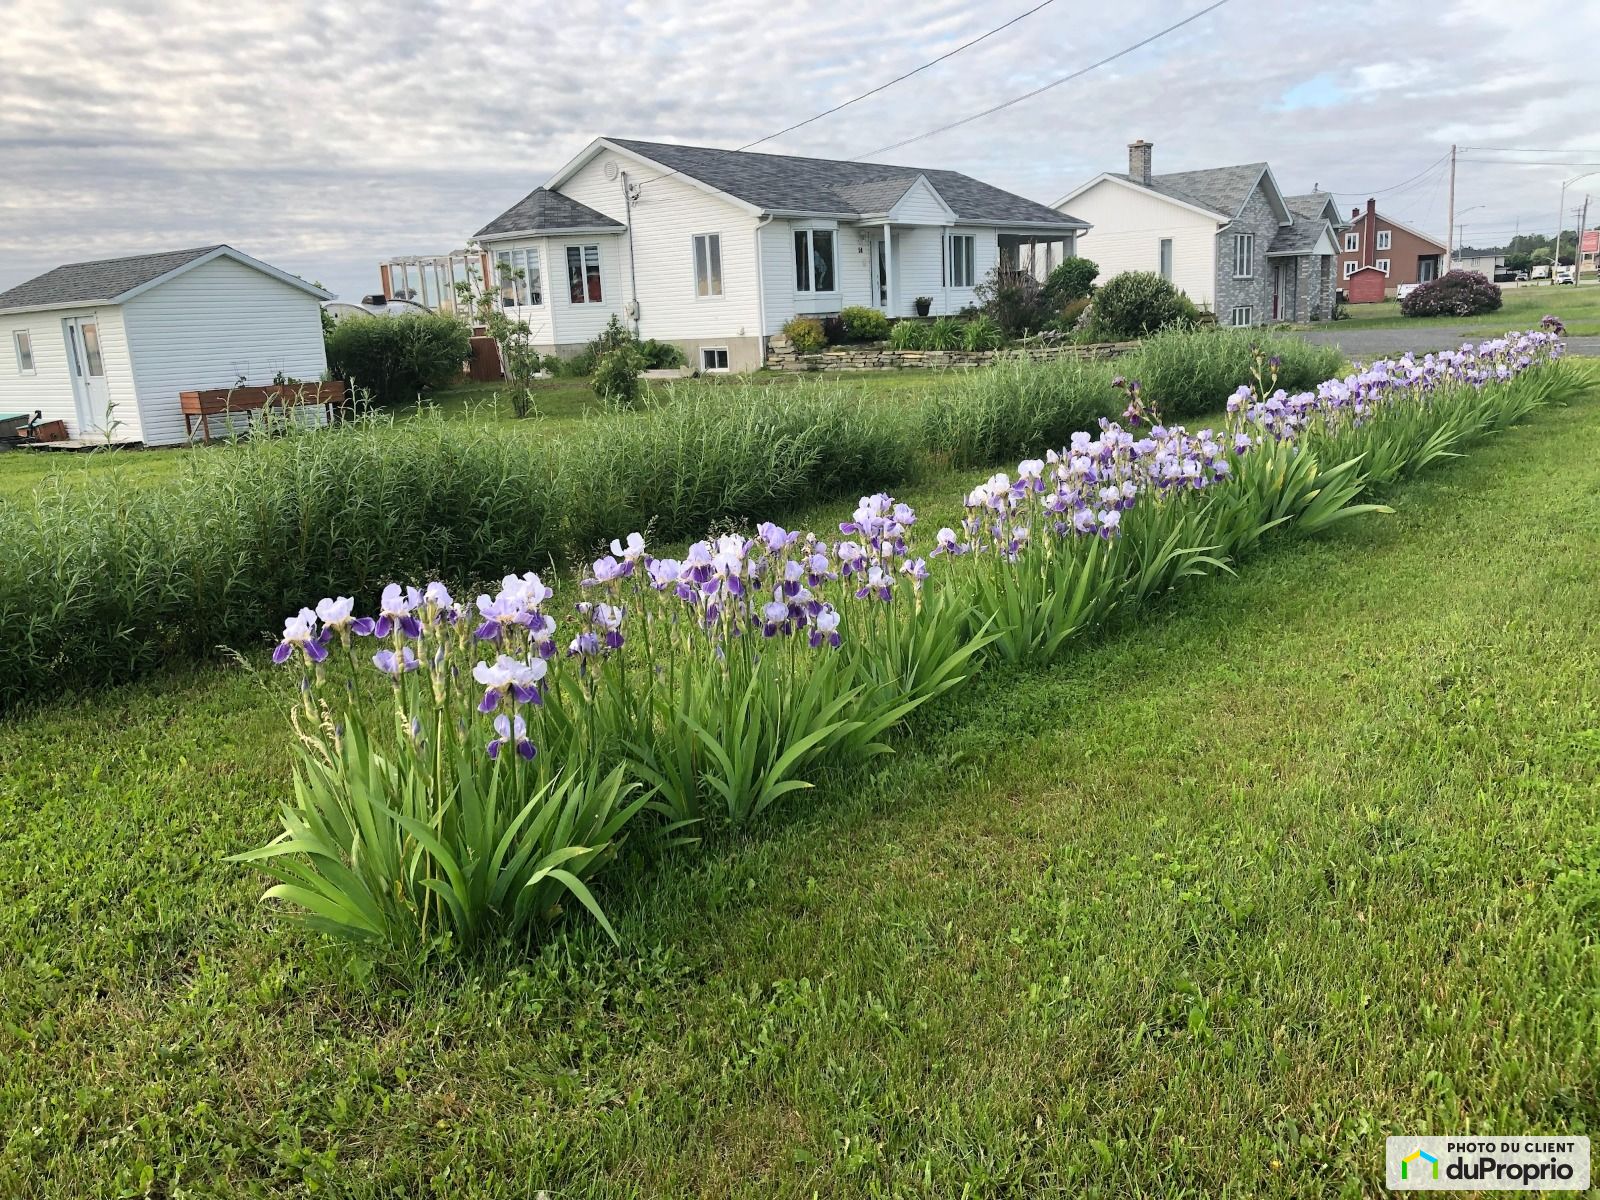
<point>1566,275</point>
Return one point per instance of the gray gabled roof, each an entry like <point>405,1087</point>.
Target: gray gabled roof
<point>544,211</point>
<point>99,282</point>
<point>1315,205</point>
<point>783,183</point>
<point>1299,238</point>
<point>1222,190</point>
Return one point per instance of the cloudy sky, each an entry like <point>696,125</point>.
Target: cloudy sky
<point>324,137</point>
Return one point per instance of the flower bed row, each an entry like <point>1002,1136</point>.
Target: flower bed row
<point>467,768</point>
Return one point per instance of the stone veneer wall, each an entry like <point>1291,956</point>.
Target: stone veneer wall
<point>879,356</point>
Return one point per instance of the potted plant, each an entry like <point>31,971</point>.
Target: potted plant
<point>924,303</point>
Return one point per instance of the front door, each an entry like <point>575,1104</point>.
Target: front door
<point>88,366</point>
<point>878,263</point>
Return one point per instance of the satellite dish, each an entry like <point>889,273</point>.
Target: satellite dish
<point>610,168</point>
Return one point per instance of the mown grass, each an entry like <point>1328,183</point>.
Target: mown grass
<point>1309,856</point>
<point>1578,306</point>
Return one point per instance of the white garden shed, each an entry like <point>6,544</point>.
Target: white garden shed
<point>111,344</point>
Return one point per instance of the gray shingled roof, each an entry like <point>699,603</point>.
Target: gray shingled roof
<point>101,281</point>
<point>783,183</point>
<point>1220,189</point>
<point>1312,204</point>
<point>544,211</point>
<point>1299,238</point>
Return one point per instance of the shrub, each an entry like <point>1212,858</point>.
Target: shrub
<point>1136,303</point>
<point>909,335</point>
<point>616,376</point>
<point>661,356</point>
<point>397,359</point>
<point>864,324</point>
<point>982,333</point>
<point>1072,311</point>
<point>1453,294</point>
<point>1015,301</point>
<point>944,334</point>
<point>1072,280</point>
<point>833,330</point>
<point>805,334</point>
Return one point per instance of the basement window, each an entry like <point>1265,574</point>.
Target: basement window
<point>1242,315</point>
<point>714,358</point>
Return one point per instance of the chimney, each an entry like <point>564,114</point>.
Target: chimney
<point>1354,213</point>
<point>1369,236</point>
<point>1139,161</point>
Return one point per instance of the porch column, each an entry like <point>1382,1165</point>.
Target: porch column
<point>888,270</point>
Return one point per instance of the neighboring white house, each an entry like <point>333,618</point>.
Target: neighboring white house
<point>110,344</point>
<point>715,249</point>
<point>1227,237</point>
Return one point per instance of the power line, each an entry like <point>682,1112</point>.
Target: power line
<point>900,78</point>
<point>1435,165</point>
<point>881,87</point>
<point>1508,162</point>
<point>1529,150</point>
<point>1110,58</point>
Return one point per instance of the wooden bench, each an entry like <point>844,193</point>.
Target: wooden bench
<point>201,406</point>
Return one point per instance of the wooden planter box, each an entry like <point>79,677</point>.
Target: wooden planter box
<point>201,406</point>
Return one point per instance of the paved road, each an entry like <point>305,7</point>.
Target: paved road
<point>1366,344</point>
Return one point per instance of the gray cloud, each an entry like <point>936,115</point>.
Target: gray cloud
<point>325,137</point>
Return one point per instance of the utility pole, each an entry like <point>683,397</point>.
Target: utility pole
<point>1577,251</point>
<point>1450,237</point>
<point>1561,212</point>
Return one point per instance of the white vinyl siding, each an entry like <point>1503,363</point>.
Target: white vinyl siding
<point>47,389</point>
<point>211,327</point>
<point>961,260</point>
<point>1242,315</point>
<point>708,265</point>
<point>1383,239</point>
<point>1244,255</point>
<point>1128,221</point>
<point>22,342</point>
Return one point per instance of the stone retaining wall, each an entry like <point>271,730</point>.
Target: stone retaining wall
<point>879,356</point>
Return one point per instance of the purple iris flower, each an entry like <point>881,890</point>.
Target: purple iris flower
<point>510,729</point>
<point>826,629</point>
<point>300,632</point>
<point>390,663</point>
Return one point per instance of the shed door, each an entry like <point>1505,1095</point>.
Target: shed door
<point>88,365</point>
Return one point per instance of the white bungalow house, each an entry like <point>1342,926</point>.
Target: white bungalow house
<point>1226,236</point>
<point>715,250</point>
<point>110,344</point>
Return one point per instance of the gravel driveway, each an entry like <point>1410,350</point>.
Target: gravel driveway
<point>1367,344</point>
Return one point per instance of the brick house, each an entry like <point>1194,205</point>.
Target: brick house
<point>1378,254</point>
<point>1227,237</point>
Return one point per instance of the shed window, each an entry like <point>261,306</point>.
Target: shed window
<point>583,274</point>
<point>1166,259</point>
<point>960,260</point>
<point>707,265</point>
<point>813,260</point>
<point>24,344</point>
<point>1244,255</point>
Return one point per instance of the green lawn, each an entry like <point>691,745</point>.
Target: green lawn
<point>562,404</point>
<point>1309,856</point>
<point>1578,306</point>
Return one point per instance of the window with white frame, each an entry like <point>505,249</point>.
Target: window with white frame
<point>1352,242</point>
<point>583,275</point>
<point>521,280</point>
<point>1350,268</point>
<point>707,265</point>
<point>1165,259</point>
<point>1383,265</point>
<point>960,260</point>
<point>1244,255</point>
<point>713,358</point>
<point>1241,315</point>
<point>814,268</point>
<point>1383,239</point>
<point>23,341</point>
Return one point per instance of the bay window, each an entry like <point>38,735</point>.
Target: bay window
<point>521,280</point>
